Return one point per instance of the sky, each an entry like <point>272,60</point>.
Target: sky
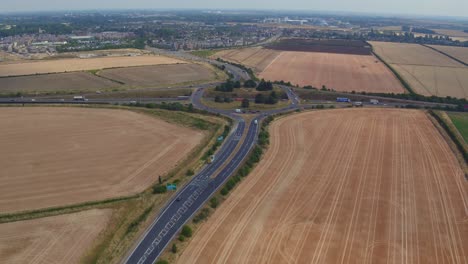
<point>457,8</point>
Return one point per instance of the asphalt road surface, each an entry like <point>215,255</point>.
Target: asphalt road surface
<point>202,186</point>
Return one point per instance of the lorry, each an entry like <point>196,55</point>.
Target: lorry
<point>343,100</point>
<point>374,101</point>
<point>79,98</point>
<point>358,104</point>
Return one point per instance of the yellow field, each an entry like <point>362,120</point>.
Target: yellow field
<point>56,239</point>
<point>460,53</point>
<point>70,65</point>
<point>427,71</point>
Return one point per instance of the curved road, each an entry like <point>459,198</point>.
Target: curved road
<point>194,195</point>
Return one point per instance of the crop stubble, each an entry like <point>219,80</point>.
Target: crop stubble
<point>61,156</point>
<point>70,65</point>
<point>427,71</point>
<point>342,72</point>
<point>57,239</point>
<point>344,186</point>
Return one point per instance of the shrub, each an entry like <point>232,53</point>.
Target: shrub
<point>186,231</point>
<point>181,238</point>
<point>159,189</point>
<point>224,191</point>
<point>205,212</point>
<point>214,202</point>
<point>190,172</point>
<point>162,262</point>
<point>174,248</point>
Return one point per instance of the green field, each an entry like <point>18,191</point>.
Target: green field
<point>204,53</point>
<point>460,120</point>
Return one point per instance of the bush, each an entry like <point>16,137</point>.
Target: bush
<point>174,248</point>
<point>224,191</point>
<point>159,189</point>
<point>214,202</point>
<point>250,84</point>
<point>204,213</point>
<point>190,173</point>
<point>186,231</point>
<point>218,99</point>
<point>245,103</point>
<point>181,238</point>
<point>162,262</point>
<point>265,86</point>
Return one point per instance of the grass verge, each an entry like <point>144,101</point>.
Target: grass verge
<point>449,127</point>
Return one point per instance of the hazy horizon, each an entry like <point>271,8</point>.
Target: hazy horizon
<point>450,8</point>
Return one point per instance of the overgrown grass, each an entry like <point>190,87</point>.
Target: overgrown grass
<point>46,212</point>
<point>204,53</point>
<point>461,146</point>
<point>460,120</point>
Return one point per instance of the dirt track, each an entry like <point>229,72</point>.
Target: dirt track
<point>344,186</point>
<point>59,156</point>
<point>57,239</point>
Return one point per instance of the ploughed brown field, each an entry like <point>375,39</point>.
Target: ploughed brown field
<point>72,81</point>
<point>70,65</point>
<point>344,186</point>
<point>159,74</point>
<point>341,72</point>
<point>460,53</point>
<point>55,156</point>
<point>57,239</point>
<point>427,71</point>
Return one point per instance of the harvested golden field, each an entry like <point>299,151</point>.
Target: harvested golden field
<point>257,58</point>
<point>55,156</point>
<point>451,33</point>
<point>57,239</point>
<point>460,53</point>
<point>342,72</point>
<point>70,65</point>
<point>434,80</point>
<point>160,74</point>
<point>67,82</point>
<point>411,54</point>
<point>344,186</point>
<point>427,71</point>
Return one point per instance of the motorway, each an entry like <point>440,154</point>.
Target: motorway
<point>196,193</point>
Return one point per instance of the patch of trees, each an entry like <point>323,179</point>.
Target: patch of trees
<point>228,86</point>
<point>245,103</point>
<point>265,86</point>
<point>250,84</point>
<point>418,30</point>
<point>219,99</point>
<point>272,98</point>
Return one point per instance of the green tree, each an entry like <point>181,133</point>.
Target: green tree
<point>214,202</point>
<point>218,99</point>
<point>237,84</point>
<point>250,84</point>
<point>186,231</point>
<point>259,99</point>
<point>245,103</point>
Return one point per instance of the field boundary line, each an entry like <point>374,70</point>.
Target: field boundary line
<point>60,210</point>
<point>446,54</point>
<point>405,84</point>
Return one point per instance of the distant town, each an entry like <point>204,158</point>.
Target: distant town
<point>30,36</point>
